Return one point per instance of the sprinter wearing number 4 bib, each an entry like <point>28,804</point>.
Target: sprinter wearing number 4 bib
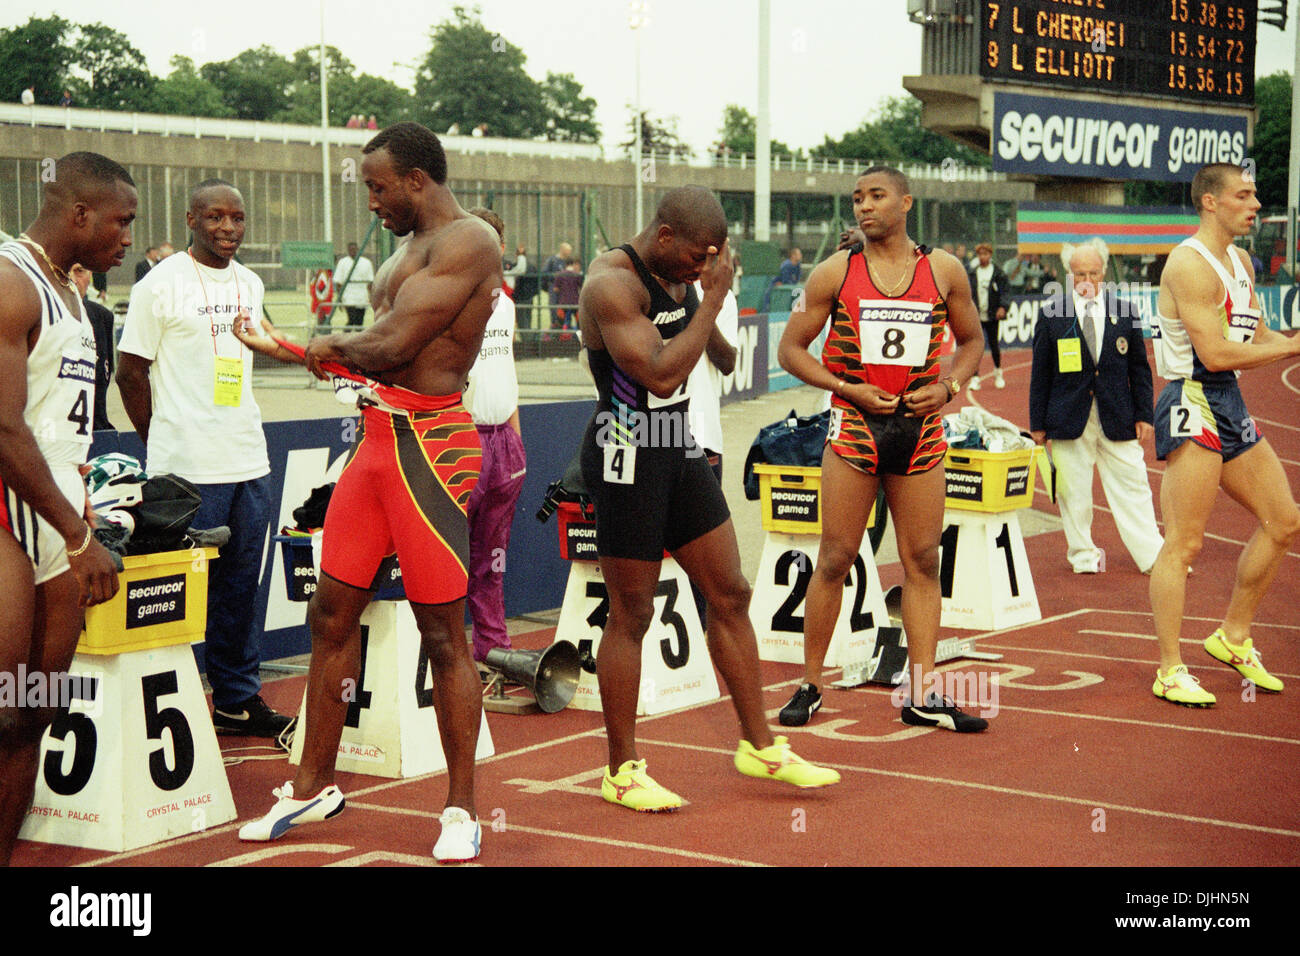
<point>888,303</point>
<point>645,330</point>
<point>51,565</point>
<point>1208,328</point>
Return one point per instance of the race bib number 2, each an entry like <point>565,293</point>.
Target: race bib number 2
<point>894,332</point>
<point>1184,420</point>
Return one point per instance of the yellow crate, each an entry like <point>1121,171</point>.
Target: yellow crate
<point>161,599</point>
<point>797,493</point>
<point>989,481</point>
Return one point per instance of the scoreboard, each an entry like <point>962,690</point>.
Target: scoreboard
<point>1202,50</point>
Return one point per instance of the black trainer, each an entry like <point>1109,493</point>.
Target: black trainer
<point>252,718</point>
<point>807,700</point>
<point>943,714</point>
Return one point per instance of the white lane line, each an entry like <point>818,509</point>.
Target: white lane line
<point>603,841</point>
<point>1032,794</point>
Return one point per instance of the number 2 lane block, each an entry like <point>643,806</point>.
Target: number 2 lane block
<point>135,760</point>
<point>777,609</point>
<point>676,670</point>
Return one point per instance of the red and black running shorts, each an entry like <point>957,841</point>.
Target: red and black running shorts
<point>886,444</point>
<point>405,489</point>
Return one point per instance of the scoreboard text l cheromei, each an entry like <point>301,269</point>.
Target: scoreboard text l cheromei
<point>1185,49</point>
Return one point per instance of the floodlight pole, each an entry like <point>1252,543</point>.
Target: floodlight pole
<point>1293,165</point>
<point>763,129</point>
<point>324,133</point>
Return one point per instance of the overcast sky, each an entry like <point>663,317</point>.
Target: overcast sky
<point>833,61</point>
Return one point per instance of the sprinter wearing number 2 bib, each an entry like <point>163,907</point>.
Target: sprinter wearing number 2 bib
<point>888,302</point>
<point>644,330</point>
<point>1207,329</point>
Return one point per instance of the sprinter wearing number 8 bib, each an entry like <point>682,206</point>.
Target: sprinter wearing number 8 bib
<point>888,302</point>
<point>1207,329</point>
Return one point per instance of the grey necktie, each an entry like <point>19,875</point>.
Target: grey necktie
<point>1089,328</point>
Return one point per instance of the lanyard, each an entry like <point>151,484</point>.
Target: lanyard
<point>239,304</point>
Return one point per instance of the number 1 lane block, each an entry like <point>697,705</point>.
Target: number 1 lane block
<point>777,609</point>
<point>984,572</point>
<point>135,760</point>
<point>676,670</point>
<point>391,729</point>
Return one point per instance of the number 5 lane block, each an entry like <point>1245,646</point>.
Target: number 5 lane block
<point>134,760</point>
<point>675,667</point>
<point>390,729</point>
<point>777,609</point>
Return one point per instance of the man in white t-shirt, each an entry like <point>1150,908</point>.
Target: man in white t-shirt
<point>187,385</point>
<point>493,400</point>
<point>356,296</point>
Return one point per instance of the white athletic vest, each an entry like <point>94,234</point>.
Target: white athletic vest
<point>60,370</point>
<point>1175,357</point>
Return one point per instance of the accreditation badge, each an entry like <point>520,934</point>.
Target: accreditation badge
<point>228,381</point>
<point>1121,345</point>
<point>1069,354</point>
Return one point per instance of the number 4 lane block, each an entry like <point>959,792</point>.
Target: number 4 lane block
<point>675,667</point>
<point>134,760</point>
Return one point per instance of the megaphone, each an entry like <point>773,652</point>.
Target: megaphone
<point>551,674</point>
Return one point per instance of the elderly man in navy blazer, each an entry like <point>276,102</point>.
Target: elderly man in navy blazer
<point>1090,396</point>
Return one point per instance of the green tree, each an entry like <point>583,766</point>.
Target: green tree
<point>739,133</point>
<point>116,76</point>
<point>657,136</point>
<point>184,92</point>
<point>255,84</point>
<point>895,135</point>
<point>472,76</point>
<point>39,53</point>
<point>350,92</point>
<point>569,114</point>
<point>1272,138</point>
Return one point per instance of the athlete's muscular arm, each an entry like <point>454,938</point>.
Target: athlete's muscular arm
<point>954,285</point>
<point>426,304</point>
<point>614,300</point>
<point>1198,294</point>
<point>266,340</point>
<point>137,398</point>
<point>720,352</point>
<point>22,466</point>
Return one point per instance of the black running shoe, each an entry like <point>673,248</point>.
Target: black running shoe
<point>943,714</point>
<point>807,700</point>
<point>252,718</point>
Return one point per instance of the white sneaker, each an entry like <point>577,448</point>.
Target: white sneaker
<point>974,384</point>
<point>998,380</point>
<point>289,813</point>
<point>461,837</point>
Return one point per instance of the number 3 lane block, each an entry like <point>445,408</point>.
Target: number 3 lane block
<point>135,760</point>
<point>675,667</point>
<point>777,609</point>
<point>984,572</point>
<point>390,729</point>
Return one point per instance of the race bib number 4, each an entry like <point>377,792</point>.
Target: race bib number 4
<point>893,332</point>
<point>620,464</point>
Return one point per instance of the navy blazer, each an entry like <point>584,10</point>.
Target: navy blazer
<point>1120,379</point>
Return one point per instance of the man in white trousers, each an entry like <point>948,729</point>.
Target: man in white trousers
<point>1090,396</point>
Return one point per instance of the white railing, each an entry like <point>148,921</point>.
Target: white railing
<point>947,171</point>
<point>201,127</point>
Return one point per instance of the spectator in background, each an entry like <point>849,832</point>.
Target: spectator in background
<point>962,256</point>
<point>372,123</point>
<point>988,287</point>
<point>525,288</point>
<point>165,250</point>
<point>554,266</point>
<point>1033,270</point>
<point>67,99</point>
<point>513,270</point>
<point>492,398</point>
<point>28,97</point>
<point>791,271</point>
<point>148,262</point>
<point>100,281</point>
<point>356,296</point>
<point>102,321</point>
<point>565,289</point>
<point>1015,270</point>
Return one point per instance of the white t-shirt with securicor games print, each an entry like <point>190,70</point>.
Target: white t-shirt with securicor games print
<point>180,318</point>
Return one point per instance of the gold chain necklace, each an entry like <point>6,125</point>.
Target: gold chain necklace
<point>40,249</point>
<point>907,268</point>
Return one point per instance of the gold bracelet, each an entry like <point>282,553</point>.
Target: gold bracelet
<point>84,545</point>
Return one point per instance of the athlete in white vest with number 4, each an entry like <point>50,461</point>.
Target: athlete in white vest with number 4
<point>51,565</point>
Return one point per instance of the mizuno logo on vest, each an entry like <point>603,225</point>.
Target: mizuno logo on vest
<point>665,317</point>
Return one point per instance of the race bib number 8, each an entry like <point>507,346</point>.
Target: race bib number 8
<point>894,333</point>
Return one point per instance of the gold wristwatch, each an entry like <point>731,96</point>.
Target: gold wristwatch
<point>952,385</point>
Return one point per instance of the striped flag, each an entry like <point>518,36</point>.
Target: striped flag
<point>1044,227</point>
